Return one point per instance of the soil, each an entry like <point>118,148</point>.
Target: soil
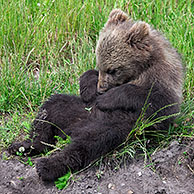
<point>171,172</point>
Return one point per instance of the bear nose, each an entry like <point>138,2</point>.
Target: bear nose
<point>102,88</point>
<point>101,91</point>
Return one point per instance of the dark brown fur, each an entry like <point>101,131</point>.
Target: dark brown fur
<point>135,63</point>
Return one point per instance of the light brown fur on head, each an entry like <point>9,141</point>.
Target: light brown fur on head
<point>132,52</point>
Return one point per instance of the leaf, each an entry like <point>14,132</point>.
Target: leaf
<point>62,141</point>
<point>30,162</point>
<point>63,181</point>
<point>19,153</point>
<point>88,109</point>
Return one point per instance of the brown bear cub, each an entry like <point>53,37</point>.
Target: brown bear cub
<point>136,65</point>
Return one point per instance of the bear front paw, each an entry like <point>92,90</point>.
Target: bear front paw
<point>100,104</point>
<point>50,169</point>
<point>105,102</point>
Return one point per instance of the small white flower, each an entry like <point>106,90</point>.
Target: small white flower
<point>21,149</point>
<point>139,174</point>
<point>38,4</point>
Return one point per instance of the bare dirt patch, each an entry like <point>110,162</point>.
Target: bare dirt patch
<point>171,172</point>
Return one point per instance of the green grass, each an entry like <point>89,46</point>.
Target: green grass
<point>46,45</point>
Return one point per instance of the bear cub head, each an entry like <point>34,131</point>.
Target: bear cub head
<point>133,52</point>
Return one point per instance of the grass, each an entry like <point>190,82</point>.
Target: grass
<point>46,45</point>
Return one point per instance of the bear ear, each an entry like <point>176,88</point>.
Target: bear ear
<point>138,32</point>
<point>116,17</point>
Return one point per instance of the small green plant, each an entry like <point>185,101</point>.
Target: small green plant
<point>63,181</point>
<point>99,174</point>
<point>5,157</point>
<point>29,161</point>
<point>61,143</point>
<point>19,153</point>
<point>21,178</point>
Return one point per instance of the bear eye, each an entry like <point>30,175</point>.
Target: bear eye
<point>111,71</point>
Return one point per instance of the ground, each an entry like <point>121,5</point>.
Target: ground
<point>172,172</point>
